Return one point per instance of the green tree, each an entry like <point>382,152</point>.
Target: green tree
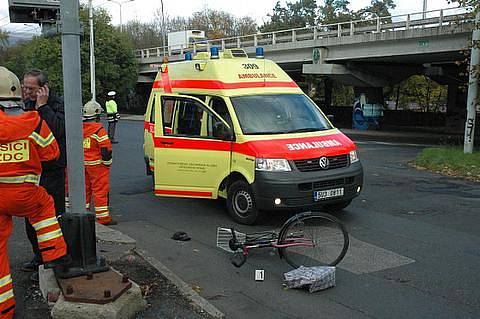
<point>420,90</point>
<point>116,67</point>
<point>143,35</point>
<point>293,15</point>
<point>377,8</point>
<point>335,11</point>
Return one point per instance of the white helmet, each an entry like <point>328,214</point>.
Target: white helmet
<point>10,89</point>
<point>111,93</point>
<point>91,110</point>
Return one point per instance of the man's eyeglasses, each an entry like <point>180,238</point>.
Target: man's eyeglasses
<point>28,88</point>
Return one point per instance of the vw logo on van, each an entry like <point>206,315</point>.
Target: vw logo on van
<point>323,162</point>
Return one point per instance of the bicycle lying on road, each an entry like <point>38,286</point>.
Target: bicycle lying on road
<point>306,239</point>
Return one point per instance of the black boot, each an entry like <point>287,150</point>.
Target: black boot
<point>31,266</point>
<point>63,261</point>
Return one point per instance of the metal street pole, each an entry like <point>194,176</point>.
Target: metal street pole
<point>163,30</point>
<point>121,24</point>
<point>120,6</point>
<point>73,103</point>
<point>92,52</point>
<point>472,98</point>
<point>424,15</point>
<point>78,225</point>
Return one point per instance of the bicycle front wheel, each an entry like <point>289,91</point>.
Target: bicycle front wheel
<point>313,239</point>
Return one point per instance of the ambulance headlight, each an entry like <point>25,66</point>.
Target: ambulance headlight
<point>272,165</point>
<point>353,157</point>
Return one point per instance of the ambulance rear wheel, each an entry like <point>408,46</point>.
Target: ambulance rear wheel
<point>241,203</point>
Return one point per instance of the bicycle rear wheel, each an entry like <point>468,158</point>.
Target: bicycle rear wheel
<point>313,239</point>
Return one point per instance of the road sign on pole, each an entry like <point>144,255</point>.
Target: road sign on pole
<point>33,11</point>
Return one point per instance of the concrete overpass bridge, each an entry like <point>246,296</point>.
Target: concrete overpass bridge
<point>367,54</point>
<point>372,52</point>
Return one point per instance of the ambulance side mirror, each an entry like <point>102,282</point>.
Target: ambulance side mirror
<point>331,117</point>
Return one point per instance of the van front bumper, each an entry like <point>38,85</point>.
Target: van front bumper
<point>296,189</point>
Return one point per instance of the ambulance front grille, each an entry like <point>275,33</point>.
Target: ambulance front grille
<point>312,164</point>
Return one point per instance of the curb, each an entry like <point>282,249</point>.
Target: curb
<point>182,286</point>
<point>111,235</point>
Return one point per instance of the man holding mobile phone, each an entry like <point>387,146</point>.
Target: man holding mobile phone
<point>38,97</point>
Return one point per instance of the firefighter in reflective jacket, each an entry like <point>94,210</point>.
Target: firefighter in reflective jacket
<point>25,141</point>
<point>112,115</point>
<point>98,158</point>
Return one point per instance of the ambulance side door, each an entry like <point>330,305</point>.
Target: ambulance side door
<point>192,148</point>
<point>149,128</point>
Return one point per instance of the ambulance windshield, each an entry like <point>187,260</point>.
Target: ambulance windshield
<point>278,114</point>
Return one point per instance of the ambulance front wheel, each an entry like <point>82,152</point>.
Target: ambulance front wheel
<point>241,203</point>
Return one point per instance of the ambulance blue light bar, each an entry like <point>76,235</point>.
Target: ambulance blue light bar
<point>259,53</point>
<point>188,56</point>
<point>214,53</point>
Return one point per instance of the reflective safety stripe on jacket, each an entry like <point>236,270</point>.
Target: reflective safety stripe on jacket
<point>30,178</point>
<point>21,152</point>
<point>95,138</point>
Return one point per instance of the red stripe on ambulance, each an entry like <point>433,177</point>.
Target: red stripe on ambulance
<point>291,149</point>
<point>219,85</point>
<point>183,193</point>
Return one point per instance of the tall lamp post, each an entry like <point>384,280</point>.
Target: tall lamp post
<point>92,51</point>
<point>120,3</point>
<point>163,30</point>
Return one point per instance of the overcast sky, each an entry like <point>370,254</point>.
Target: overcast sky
<point>143,10</point>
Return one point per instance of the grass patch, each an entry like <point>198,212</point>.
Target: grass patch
<point>450,161</point>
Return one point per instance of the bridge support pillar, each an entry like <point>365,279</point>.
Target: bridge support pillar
<point>456,109</point>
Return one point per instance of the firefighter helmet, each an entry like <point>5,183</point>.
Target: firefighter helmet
<point>10,89</point>
<point>91,110</point>
<point>111,93</point>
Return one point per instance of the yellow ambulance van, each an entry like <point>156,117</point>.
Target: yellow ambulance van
<point>226,125</point>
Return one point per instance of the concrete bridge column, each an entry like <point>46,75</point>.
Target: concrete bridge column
<point>456,109</point>
<point>328,92</point>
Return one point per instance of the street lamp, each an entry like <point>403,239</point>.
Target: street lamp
<point>120,6</point>
<point>163,30</point>
<point>92,51</point>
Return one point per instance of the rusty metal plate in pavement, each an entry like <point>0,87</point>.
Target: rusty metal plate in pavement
<point>98,288</point>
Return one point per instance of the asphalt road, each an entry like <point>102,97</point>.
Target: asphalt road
<point>415,249</point>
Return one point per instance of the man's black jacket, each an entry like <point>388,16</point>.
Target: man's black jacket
<point>53,113</point>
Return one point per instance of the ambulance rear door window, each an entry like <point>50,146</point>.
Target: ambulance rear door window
<point>167,116</point>
<point>152,113</point>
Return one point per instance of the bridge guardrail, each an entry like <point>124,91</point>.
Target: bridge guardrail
<point>433,18</point>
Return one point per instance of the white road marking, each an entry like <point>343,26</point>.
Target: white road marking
<point>363,258</point>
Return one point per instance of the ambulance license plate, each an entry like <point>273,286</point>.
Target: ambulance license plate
<point>329,193</point>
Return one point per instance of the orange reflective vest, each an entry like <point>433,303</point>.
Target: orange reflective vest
<point>25,141</point>
<point>94,139</point>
